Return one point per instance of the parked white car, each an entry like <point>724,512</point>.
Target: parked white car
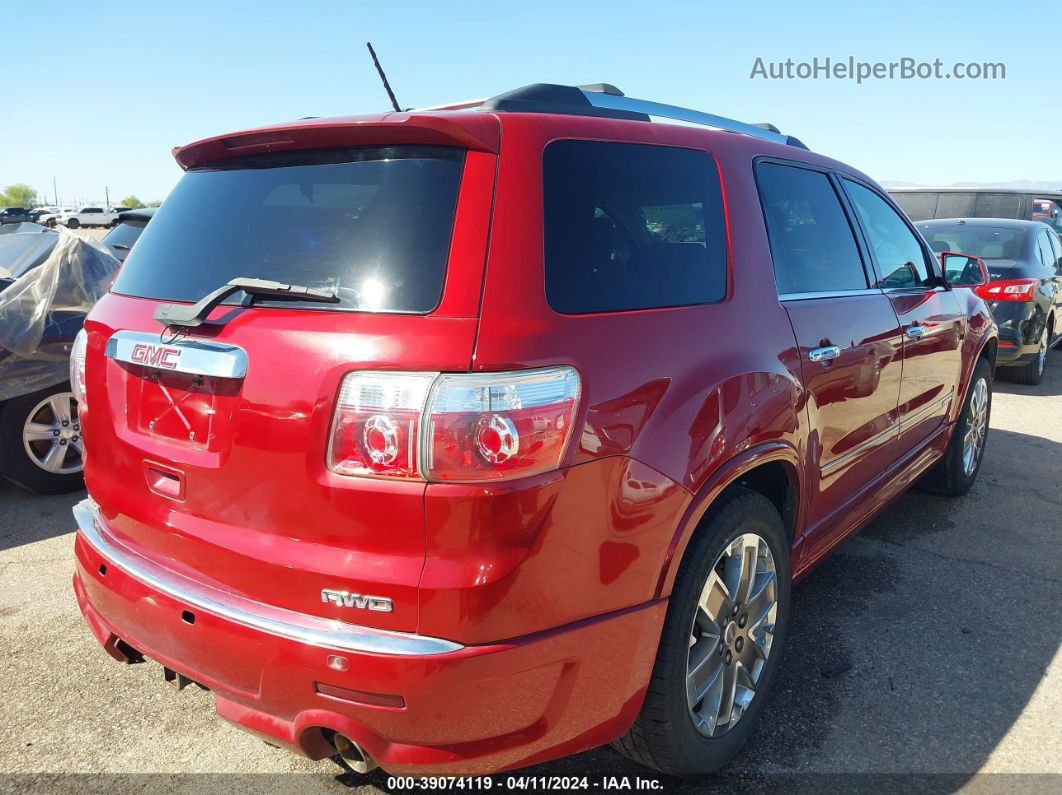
<point>49,219</point>
<point>88,216</point>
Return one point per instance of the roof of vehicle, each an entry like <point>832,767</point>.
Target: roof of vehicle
<point>137,214</point>
<point>1005,223</point>
<point>1057,193</point>
<point>476,124</point>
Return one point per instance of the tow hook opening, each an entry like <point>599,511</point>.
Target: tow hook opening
<point>350,755</point>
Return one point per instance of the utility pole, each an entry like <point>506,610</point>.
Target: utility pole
<point>55,193</point>
<point>107,194</point>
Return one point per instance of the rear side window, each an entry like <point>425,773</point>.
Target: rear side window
<point>812,243</point>
<point>901,259</point>
<point>629,226</point>
<point>997,205</point>
<point>372,223</point>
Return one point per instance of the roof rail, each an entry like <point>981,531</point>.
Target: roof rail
<point>603,99</point>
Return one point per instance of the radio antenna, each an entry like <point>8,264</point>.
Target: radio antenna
<point>383,77</point>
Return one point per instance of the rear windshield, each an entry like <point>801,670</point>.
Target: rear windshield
<point>372,223</point>
<point>120,239</point>
<point>630,226</point>
<point>986,242</point>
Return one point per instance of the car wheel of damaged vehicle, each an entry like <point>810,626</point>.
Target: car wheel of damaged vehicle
<point>41,447</point>
<point>722,641</point>
<point>956,472</point>
<point>1033,372</point>
<point>73,223</point>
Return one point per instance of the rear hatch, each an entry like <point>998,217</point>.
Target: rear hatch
<point>208,446</point>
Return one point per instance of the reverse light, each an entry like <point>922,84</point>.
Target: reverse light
<point>456,428</point>
<point>1020,290</point>
<point>77,367</point>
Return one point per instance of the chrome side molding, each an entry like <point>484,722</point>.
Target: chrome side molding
<point>195,357</point>
<point>315,631</point>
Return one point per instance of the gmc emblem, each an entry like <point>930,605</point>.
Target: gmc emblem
<point>155,355</point>
<point>379,604</point>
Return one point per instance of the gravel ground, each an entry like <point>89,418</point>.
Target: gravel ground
<point>945,613</point>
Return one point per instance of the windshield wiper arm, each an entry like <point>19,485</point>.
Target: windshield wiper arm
<point>192,316</point>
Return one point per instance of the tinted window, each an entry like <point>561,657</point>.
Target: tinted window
<point>1056,247</point>
<point>918,206</point>
<point>812,243</point>
<point>1047,255</point>
<point>629,226</point>
<point>121,238</point>
<point>373,223</point>
<point>955,205</point>
<point>997,205</point>
<point>986,242</point>
<point>899,255</point>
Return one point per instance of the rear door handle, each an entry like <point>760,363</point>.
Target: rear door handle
<point>915,332</point>
<point>824,354</point>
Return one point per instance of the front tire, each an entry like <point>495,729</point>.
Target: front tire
<point>956,472</point>
<point>41,447</point>
<point>722,641</point>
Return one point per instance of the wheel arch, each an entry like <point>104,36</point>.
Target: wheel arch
<point>771,469</point>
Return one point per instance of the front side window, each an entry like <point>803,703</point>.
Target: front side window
<point>812,243</point>
<point>631,226</point>
<point>901,260</point>
<point>373,224</point>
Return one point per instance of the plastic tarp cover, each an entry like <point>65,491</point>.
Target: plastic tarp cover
<point>42,309</point>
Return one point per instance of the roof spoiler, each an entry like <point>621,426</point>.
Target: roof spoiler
<point>478,131</point>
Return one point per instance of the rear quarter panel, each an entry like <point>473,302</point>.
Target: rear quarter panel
<point>681,391</point>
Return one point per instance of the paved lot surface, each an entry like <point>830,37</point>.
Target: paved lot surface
<point>947,612</point>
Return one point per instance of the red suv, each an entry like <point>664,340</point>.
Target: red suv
<point>459,440</point>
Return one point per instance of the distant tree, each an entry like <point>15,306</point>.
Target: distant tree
<point>131,203</point>
<point>18,195</point>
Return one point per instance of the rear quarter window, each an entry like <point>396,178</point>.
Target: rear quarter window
<point>631,226</point>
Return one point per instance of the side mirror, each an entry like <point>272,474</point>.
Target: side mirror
<point>961,270</point>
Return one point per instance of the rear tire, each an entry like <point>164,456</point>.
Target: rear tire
<point>665,735</point>
<point>956,472</point>
<point>1032,373</point>
<point>25,461</point>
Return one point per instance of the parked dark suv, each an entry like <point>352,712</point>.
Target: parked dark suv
<point>455,455</point>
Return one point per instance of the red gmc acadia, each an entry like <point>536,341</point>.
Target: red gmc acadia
<point>459,440</point>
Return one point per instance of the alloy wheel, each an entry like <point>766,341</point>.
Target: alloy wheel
<point>976,428</point>
<point>731,634</point>
<point>51,435</point>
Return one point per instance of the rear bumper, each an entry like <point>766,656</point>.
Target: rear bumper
<point>415,704</point>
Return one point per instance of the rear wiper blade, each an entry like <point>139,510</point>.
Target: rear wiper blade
<point>192,316</point>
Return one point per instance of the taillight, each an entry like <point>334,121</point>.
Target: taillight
<point>1009,290</point>
<point>475,427</point>
<point>376,429</point>
<point>498,426</point>
<point>77,367</point>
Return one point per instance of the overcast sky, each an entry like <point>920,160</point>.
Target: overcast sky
<point>96,94</point>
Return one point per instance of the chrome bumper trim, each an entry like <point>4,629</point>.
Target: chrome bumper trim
<point>281,622</point>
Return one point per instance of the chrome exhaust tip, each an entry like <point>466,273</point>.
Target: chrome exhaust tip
<point>353,754</point>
